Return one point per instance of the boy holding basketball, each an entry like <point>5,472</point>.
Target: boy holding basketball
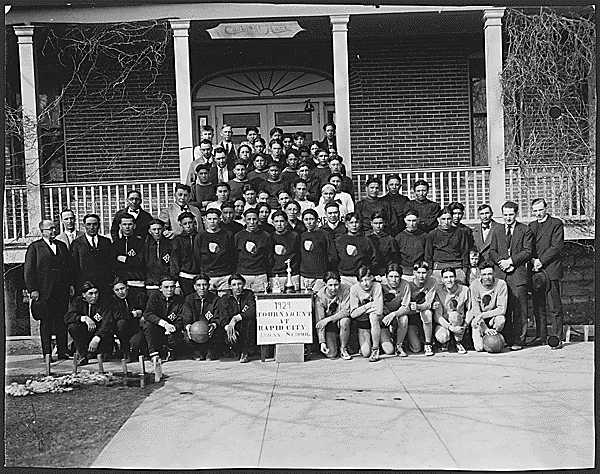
<point>201,306</point>
<point>489,300</point>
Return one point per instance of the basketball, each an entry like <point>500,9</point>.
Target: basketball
<point>199,331</point>
<point>493,343</point>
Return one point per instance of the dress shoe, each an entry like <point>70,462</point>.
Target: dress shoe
<point>52,359</point>
<point>211,356</point>
<point>515,347</point>
<point>244,357</point>
<point>82,360</point>
<point>64,357</point>
<point>536,341</point>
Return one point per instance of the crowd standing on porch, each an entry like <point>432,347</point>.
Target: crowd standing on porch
<point>400,275</point>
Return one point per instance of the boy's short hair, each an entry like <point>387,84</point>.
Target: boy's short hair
<point>300,134</point>
<point>185,187</point>
<point>185,215</point>
<point>251,210</point>
<point>222,185</point>
<point>412,212</point>
<point>213,210</point>
<point>311,212</point>
<point>227,205</point>
<point>420,182</point>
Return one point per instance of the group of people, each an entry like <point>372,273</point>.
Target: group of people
<point>400,274</point>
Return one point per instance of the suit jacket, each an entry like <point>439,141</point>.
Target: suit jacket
<point>231,155</point>
<point>549,238</point>
<point>45,272</point>
<point>521,251</point>
<point>170,214</point>
<point>142,223</point>
<point>213,175</point>
<point>63,238</point>
<point>484,245</point>
<point>92,264</point>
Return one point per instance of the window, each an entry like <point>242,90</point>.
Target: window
<point>478,112</point>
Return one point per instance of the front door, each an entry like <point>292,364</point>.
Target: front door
<point>290,117</point>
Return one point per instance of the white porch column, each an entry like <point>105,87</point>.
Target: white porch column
<point>30,135</point>
<point>341,87</point>
<point>184,98</point>
<point>495,112</point>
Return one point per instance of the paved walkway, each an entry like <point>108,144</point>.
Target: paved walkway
<point>527,410</point>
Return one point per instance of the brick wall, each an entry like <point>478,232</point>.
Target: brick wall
<point>132,134</point>
<point>409,103</point>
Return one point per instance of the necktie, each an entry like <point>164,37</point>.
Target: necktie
<point>157,250</point>
<point>95,243</point>
<point>89,310</point>
<point>508,236</point>
<point>126,245</point>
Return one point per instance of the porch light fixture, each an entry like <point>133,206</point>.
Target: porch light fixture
<point>308,107</point>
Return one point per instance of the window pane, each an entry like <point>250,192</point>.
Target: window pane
<point>242,120</point>
<point>480,157</point>
<point>293,118</point>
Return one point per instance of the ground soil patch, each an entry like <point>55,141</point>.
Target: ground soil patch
<point>66,429</point>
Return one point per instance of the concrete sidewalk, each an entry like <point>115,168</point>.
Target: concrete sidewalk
<point>527,410</point>
<point>531,409</point>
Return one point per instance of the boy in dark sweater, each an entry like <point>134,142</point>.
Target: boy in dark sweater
<point>215,252</point>
<point>203,191</point>
<point>126,255</point>
<point>163,321</point>
<point>428,210</point>
<point>255,253</point>
<point>447,247</point>
<point>411,244</point>
<point>397,200</point>
<point>286,247</point>
<point>156,256</point>
<point>372,203</point>
<point>354,250</point>
<point>317,253</point>
<point>227,218</point>
<point>274,184</point>
<point>203,305</point>
<point>333,223</point>
<point>385,245</point>
<point>313,183</point>
<point>183,265</point>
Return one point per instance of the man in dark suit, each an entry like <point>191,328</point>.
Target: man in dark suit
<point>134,208</point>
<point>329,141</point>
<point>227,145</point>
<point>482,232</point>
<point>90,256</point>
<point>48,277</point>
<point>511,249</point>
<point>67,216</point>
<point>221,171</point>
<point>549,237</point>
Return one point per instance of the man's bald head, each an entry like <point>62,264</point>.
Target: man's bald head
<point>48,229</point>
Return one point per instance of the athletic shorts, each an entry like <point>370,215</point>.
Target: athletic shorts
<point>363,324</point>
<point>414,319</point>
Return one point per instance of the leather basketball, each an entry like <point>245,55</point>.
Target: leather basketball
<point>199,331</point>
<point>493,343</point>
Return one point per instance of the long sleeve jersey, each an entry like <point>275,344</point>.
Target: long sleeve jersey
<point>255,252</point>
<point>157,259</point>
<point>387,251</point>
<point>337,306</point>
<point>286,246</point>
<point>245,306</point>
<point>122,308</point>
<point>196,307</point>
<point>317,253</point>
<point>428,211</point>
<point>444,296</point>
<point>160,309</point>
<point>411,246</point>
<point>101,313</point>
<point>132,249</point>
<point>182,255</point>
<point>215,253</point>
<point>355,251</point>
<point>447,248</point>
<point>365,208</point>
<point>423,295</point>
<point>395,298</point>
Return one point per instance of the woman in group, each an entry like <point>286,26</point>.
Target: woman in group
<point>396,305</point>
<point>366,306</point>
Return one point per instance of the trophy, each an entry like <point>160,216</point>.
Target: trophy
<point>289,285</point>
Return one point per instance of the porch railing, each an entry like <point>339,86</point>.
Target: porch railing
<point>16,225</point>
<point>105,199</point>
<point>569,192</point>
<point>469,186</point>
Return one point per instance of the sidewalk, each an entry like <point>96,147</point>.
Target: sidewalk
<point>531,409</point>
<point>527,410</point>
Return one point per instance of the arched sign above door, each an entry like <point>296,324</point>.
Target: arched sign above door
<point>262,84</point>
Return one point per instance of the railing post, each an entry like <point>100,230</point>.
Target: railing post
<point>495,112</point>
<point>30,135</point>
